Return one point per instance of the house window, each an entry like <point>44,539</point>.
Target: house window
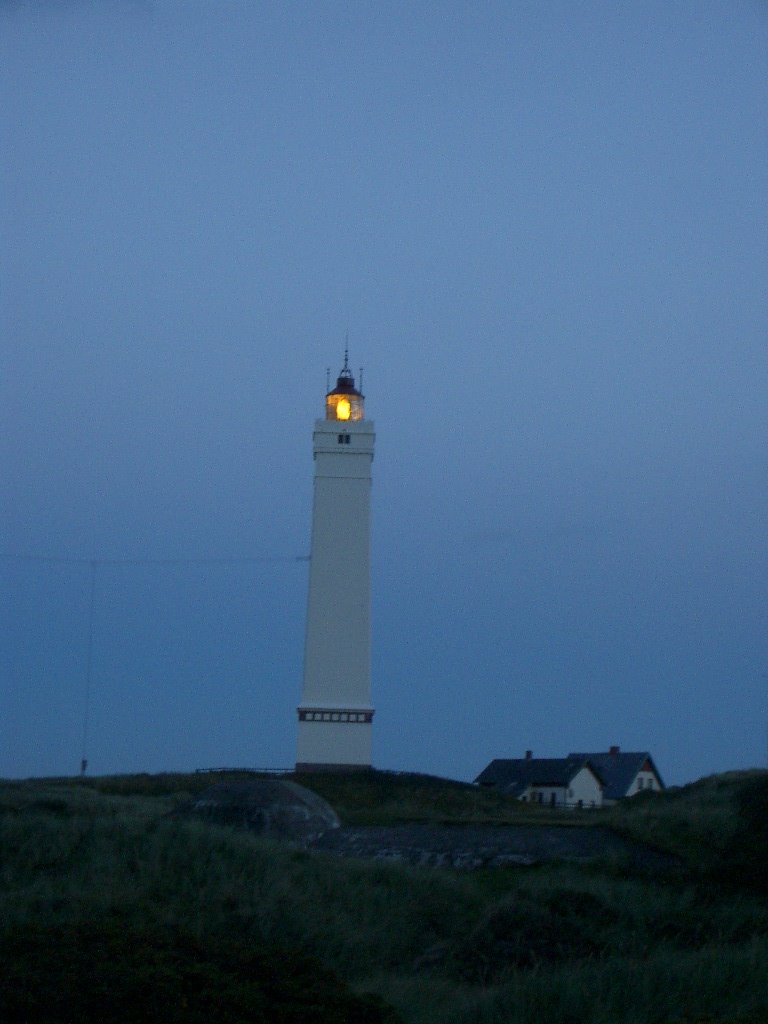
<point>640,783</point>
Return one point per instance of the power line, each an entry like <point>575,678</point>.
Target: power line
<point>227,560</point>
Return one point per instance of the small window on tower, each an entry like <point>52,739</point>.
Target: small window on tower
<point>344,438</point>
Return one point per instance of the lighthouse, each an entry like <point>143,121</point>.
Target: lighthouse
<point>335,713</point>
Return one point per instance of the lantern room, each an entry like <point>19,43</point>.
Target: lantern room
<point>344,402</point>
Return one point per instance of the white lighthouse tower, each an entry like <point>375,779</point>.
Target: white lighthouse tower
<point>335,712</point>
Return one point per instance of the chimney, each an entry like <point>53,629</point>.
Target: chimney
<point>528,755</point>
<point>613,751</point>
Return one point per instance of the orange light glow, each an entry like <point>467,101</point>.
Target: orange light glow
<point>343,409</point>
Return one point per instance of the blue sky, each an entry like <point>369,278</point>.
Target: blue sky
<point>543,227</point>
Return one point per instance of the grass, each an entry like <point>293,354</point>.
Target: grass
<point>99,865</point>
<point>365,797</point>
<point>699,822</point>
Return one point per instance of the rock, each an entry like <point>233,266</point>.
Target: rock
<point>468,847</point>
<point>273,807</point>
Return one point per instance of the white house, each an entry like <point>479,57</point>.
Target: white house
<point>624,774</point>
<point>551,781</point>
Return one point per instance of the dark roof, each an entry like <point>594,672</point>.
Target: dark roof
<point>515,775</point>
<point>619,770</point>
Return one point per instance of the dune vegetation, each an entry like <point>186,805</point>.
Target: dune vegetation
<point>112,909</point>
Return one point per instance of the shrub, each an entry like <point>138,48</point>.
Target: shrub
<point>745,858</point>
<point>531,930</point>
<point>109,969</point>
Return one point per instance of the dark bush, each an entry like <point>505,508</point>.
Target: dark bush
<point>532,929</point>
<point>744,862</point>
<point>89,973</point>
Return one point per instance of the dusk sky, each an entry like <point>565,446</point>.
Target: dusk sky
<point>543,227</point>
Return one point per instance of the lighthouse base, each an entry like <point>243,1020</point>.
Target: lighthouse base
<point>334,739</point>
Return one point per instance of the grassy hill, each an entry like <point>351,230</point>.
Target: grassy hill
<point>110,909</point>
